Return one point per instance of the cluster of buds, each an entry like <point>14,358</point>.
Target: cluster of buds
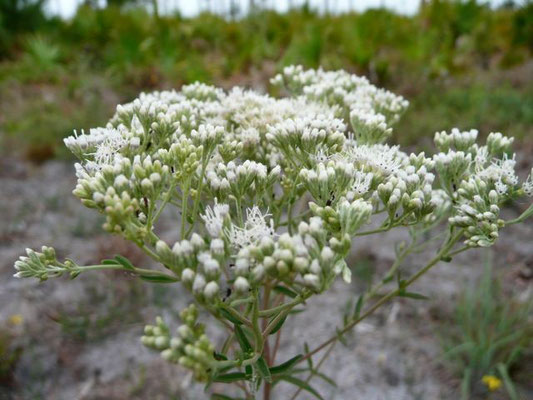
<point>41,265</point>
<point>299,139</point>
<point>328,182</point>
<point>461,141</point>
<point>478,212</point>
<point>190,348</point>
<point>343,89</point>
<point>369,127</point>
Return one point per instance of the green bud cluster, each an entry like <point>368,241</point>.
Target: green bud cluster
<point>190,348</point>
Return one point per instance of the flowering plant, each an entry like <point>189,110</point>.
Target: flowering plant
<point>269,195</point>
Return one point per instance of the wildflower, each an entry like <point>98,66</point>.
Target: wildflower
<point>492,382</point>
<point>255,228</point>
<point>214,218</point>
<point>16,319</point>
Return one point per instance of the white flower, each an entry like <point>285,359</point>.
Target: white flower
<point>255,229</point>
<point>214,218</point>
<point>528,185</point>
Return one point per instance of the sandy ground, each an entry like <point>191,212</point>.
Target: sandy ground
<point>80,339</point>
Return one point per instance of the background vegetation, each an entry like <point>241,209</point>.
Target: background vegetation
<point>458,62</point>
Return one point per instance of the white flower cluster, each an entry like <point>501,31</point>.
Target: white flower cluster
<point>371,110</point>
<point>241,168</point>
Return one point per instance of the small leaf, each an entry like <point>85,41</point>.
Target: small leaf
<point>124,262</point>
<point>446,259</point>
<point>218,396</point>
<point>232,377</point>
<point>412,295</point>
<point>325,378</point>
<point>278,325</point>
<point>242,339</point>
<point>226,314</point>
<point>109,262</point>
<point>309,359</point>
<point>262,368</point>
<point>301,384</point>
<point>358,307</point>
<point>158,278</point>
<point>340,337</point>
<point>286,291</point>
<point>219,356</point>
<point>286,366</point>
<point>249,371</point>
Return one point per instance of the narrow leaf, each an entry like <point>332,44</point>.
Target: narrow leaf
<point>301,384</point>
<point>158,278</point>
<point>325,378</point>
<point>109,262</point>
<point>286,291</point>
<point>262,368</point>
<point>232,377</point>
<point>286,366</point>
<point>412,295</point>
<point>278,325</point>
<point>242,339</point>
<point>124,262</point>
<point>309,359</point>
<point>358,307</point>
<point>226,314</point>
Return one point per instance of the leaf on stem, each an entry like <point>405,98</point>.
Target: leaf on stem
<point>286,366</point>
<point>124,262</point>
<point>262,368</point>
<point>278,326</point>
<point>226,314</point>
<point>231,377</point>
<point>301,384</point>
<point>286,291</point>
<point>242,339</point>
<point>158,278</point>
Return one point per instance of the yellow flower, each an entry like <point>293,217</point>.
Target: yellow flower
<point>492,382</point>
<point>16,319</point>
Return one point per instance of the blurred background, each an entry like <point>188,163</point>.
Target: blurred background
<point>66,64</point>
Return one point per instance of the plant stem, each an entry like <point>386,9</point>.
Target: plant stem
<point>184,207</point>
<point>313,372</point>
<point>452,239</point>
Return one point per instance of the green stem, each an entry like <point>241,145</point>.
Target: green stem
<point>452,239</point>
<point>184,207</point>
<point>282,307</point>
<point>198,194</point>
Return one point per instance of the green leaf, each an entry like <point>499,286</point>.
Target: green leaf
<point>309,359</point>
<point>446,259</point>
<point>262,368</point>
<point>242,339</point>
<point>325,378</point>
<point>219,356</point>
<point>358,307</point>
<point>278,325</point>
<point>124,262</point>
<point>412,295</point>
<point>226,314</point>
<point>301,384</point>
<point>286,366</point>
<point>231,377</point>
<point>249,371</point>
<point>158,278</point>
<point>218,396</point>
<point>286,291</point>
<point>109,262</point>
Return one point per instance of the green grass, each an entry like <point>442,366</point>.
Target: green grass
<point>489,333</point>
